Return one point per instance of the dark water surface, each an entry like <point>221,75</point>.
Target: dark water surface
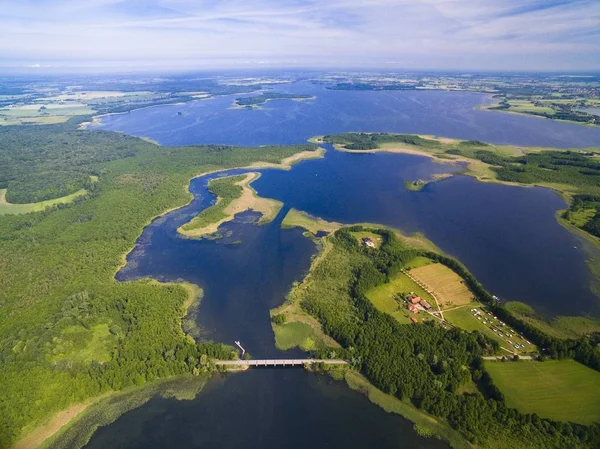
<point>507,236</point>
<point>449,114</point>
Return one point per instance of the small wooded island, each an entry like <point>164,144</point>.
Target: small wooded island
<point>257,100</point>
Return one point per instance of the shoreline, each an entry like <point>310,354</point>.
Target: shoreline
<point>565,195</point>
<point>248,200</point>
<point>487,107</point>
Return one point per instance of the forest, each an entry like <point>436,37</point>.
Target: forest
<point>423,363</point>
<point>69,330</point>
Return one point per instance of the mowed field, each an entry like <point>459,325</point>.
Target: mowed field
<point>563,390</point>
<point>445,284</point>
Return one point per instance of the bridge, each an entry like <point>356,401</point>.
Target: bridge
<point>279,362</point>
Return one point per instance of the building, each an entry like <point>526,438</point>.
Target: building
<point>414,320</point>
<point>415,299</point>
<point>425,304</point>
<point>368,242</point>
<point>413,308</point>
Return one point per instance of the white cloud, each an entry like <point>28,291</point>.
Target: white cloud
<point>428,33</point>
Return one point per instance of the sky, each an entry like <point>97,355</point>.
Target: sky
<point>394,34</point>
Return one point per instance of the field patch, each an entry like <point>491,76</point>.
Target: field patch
<point>563,390</point>
<point>290,335</point>
<point>10,208</point>
<point>445,284</point>
<point>84,345</point>
<point>295,218</point>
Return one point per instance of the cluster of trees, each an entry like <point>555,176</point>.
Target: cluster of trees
<point>564,167</point>
<point>57,270</point>
<point>425,363</point>
<point>582,203</point>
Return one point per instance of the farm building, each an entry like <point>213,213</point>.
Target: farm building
<point>414,320</point>
<point>425,304</point>
<point>413,308</point>
<point>415,299</point>
<point>368,242</point>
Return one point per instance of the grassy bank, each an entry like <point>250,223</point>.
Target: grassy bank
<point>559,327</point>
<point>425,424</point>
<point>298,219</point>
<point>77,433</point>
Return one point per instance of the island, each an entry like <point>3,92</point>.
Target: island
<point>254,102</point>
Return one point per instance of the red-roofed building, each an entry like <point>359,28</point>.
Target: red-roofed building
<point>415,300</point>
<point>413,308</point>
<point>414,320</point>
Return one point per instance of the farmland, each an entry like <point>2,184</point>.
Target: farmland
<point>446,285</point>
<point>559,389</point>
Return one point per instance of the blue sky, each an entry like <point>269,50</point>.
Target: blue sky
<point>395,34</point>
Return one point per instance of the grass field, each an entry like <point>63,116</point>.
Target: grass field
<point>463,317</point>
<point>9,208</point>
<point>298,219</point>
<point>559,389</point>
<point>80,344</point>
<point>446,285</point>
<point>295,333</point>
<point>382,298</point>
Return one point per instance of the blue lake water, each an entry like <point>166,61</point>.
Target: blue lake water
<point>449,114</point>
<point>507,236</point>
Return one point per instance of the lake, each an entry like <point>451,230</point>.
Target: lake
<point>507,236</point>
<point>448,114</point>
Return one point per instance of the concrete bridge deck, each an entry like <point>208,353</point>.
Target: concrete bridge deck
<point>279,362</point>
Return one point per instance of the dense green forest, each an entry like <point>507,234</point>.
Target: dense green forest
<point>68,330</point>
<point>423,363</point>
